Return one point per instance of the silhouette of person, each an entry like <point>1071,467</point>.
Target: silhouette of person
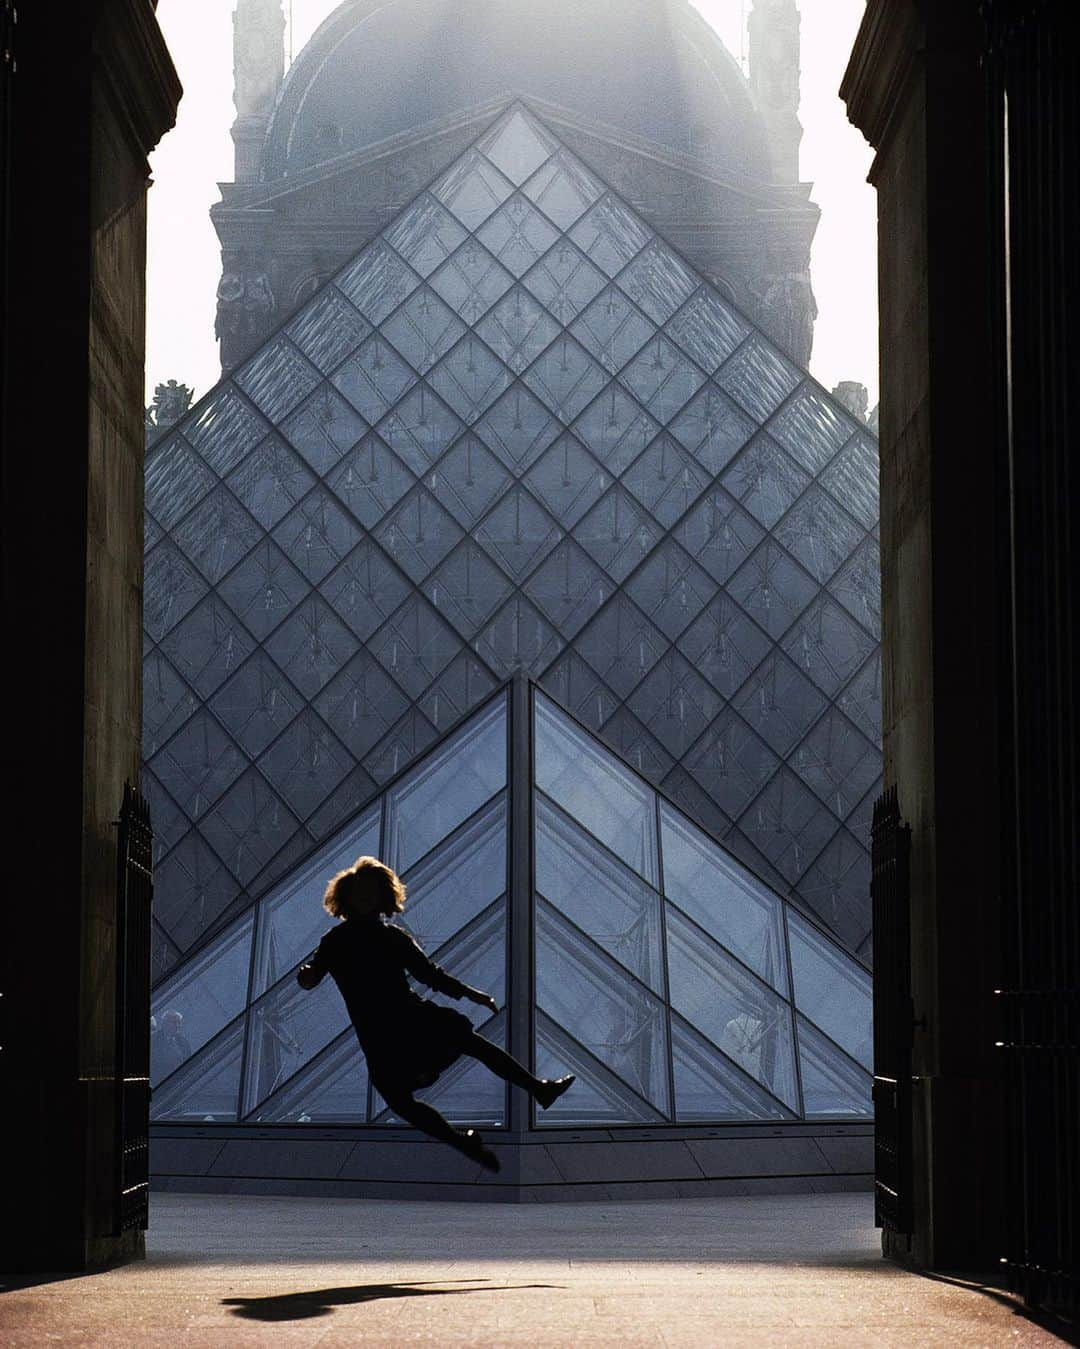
<point>168,1045</point>
<point>407,1040</point>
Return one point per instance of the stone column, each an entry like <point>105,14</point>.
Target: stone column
<point>258,69</point>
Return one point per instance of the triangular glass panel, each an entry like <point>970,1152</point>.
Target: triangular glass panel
<point>598,1097</point>
<point>594,890</point>
<point>592,787</point>
<point>834,1086</point>
<point>517,145</point>
<point>447,788</point>
<point>291,919</point>
<point>831,990</point>
<point>458,879</point>
<point>731,1008</point>
<point>331,1089</point>
<point>563,189</point>
<point>730,904</point>
<point>206,1089</point>
<point>477,956</point>
<point>616,1018</point>
<point>199,999</point>
<point>709,1086</point>
<point>287,1027</point>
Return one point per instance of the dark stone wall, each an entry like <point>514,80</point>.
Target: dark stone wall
<point>100,88</point>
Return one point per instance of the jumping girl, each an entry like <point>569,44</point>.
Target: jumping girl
<point>407,1040</point>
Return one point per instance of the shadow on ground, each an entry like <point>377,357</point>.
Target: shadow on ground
<point>322,1301</point>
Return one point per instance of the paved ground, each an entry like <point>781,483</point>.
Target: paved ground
<point>700,1273</point>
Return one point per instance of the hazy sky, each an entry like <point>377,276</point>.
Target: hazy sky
<point>185,260</point>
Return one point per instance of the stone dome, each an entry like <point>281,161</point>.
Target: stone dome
<point>649,69</point>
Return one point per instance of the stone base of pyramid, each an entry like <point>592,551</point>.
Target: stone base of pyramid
<point>583,1165</point>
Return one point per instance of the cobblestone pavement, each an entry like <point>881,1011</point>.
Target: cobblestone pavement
<point>243,1271</point>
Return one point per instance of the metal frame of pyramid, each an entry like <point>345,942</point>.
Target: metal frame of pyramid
<point>704,600</point>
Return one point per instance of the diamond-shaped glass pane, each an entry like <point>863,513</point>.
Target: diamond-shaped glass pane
<point>468,480</point>
<point>723,898</point>
<point>167,703</point>
<point>311,645</point>
<point>621,645</point>
<point>406,742</point>
<point>518,428</point>
<point>811,428</point>
<point>564,281</point>
<point>758,377</point>
<point>772,588</point>
<point>223,429</point>
<point>568,587</point>
<point>617,533</point>
<point>616,1018</point>
<point>418,533</point>
<point>328,329</point>
<point>472,281</point>
<point>658,281</point>
<point>818,533</point>
<point>736,1012</point>
<point>176,478</point>
<point>472,189</point>
<point>270,481</point>
<point>675,703</point>
<point>596,790</point>
<point>373,379</point>
<point>306,763</point>
<point>861,700</point>
<point>765,480</point>
<point>377,281</point>
<point>324,428</point>
<point>277,378</point>
<point>723,645</point>
<point>779,702</point>
<point>671,588</point>
<point>192,889</point>
<point>577,687</point>
<point>208,645</point>
<point>317,534</point>
<point>414,646</point>
<point>731,763</point>
<point>517,145</point>
<point>719,534</point>
<point>563,189</point>
<point>836,887</point>
<point>827,646</point>
<point>263,590</point>
<point>248,826</point>
<point>662,379</point>
<point>838,762</point>
<point>567,480</point>
<point>423,329</point>
<point>420,428</point>
<point>361,704</point>
<point>446,788</point>
<point>518,534</point>
<point>425,235</point>
<point>467,588</point>
<point>457,689</point>
<point>636,746</point>
<point>852,478</point>
<point>708,330</point>
<point>518,637</point>
<point>518,235</point>
<point>613,329</point>
<point>470,378</point>
<point>370,480</point>
<point>518,329</point>
<point>712,428</point>
<point>256,703</point>
<point>788,825</point>
<point>857,585</point>
<point>666,480</point>
<point>566,378</point>
<point>615,428</point>
<point>610,235</point>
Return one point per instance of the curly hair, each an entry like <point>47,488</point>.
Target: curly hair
<point>369,880</point>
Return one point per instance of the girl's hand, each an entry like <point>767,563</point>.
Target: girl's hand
<point>485,1000</point>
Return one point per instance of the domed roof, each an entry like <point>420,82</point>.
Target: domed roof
<point>648,68</point>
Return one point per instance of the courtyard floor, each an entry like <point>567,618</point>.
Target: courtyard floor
<point>303,1272</point>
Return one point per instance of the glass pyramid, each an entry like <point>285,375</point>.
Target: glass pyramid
<point>516,432</point>
<point>673,981</point>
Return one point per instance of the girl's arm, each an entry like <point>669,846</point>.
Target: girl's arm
<point>312,970</point>
<point>422,967</point>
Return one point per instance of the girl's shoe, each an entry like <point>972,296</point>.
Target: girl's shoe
<point>550,1089</point>
<point>477,1151</point>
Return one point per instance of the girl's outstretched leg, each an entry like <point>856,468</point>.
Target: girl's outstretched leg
<point>428,1120</point>
<point>503,1065</point>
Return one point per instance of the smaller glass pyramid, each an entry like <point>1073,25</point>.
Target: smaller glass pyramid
<point>673,982</point>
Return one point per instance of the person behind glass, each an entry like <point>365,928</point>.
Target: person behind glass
<point>407,1040</point>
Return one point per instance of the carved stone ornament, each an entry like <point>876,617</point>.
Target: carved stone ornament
<point>787,310</point>
<point>245,301</point>
<point>854,396</point>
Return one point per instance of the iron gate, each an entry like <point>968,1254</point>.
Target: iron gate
<point>134,893</point>
<point>893,1015</point>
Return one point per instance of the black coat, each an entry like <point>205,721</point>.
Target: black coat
<point>407,1040</point>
